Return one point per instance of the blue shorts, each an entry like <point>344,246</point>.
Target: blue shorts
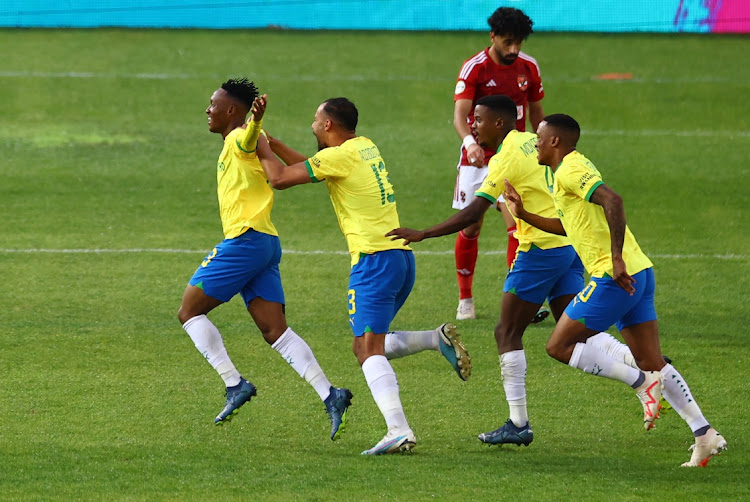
<point>247,264</point>
<point>378,286</point>
<point>539,274</point>
<point>603,303</point>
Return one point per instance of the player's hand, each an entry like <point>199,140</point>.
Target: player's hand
<point>513,200</point>
<point>408,234</point>
<point>259,107</point>
<point>475,154</point>
<point>621,276</point>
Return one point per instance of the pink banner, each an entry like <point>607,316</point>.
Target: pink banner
<point>717,16</point>
<point>732,16</point>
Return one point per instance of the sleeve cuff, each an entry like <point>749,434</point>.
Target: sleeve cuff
<point>485,196</point>
<point>310,172</point>
<point>591,191</point>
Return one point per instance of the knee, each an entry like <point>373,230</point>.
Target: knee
<point>271,334</point>
<point>554,350</point>
<point>183,315</point>
<point>505,333</point>
<point>359,352</point>
<point>500,332</point>
<point>364,348</point>
<point>508,337</point>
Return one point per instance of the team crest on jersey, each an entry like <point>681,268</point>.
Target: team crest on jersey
<point>523,83</point>
<point>460,87</point>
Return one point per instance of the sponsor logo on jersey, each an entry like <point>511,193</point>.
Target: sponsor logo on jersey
<point>523,83</point>
<point>460,87</point>
<point>491,83</point>
<point>583,180</point>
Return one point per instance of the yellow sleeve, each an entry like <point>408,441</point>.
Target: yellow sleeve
<point>247,140</point>
<point>580,179</point>
<point>331,162</point>
<point>500,167</point>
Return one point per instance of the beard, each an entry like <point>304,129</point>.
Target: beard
<point>508,59</point>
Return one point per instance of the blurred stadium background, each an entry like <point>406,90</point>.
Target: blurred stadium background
<point>704,16</point>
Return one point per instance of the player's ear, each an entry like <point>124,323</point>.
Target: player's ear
<point>554,141</point>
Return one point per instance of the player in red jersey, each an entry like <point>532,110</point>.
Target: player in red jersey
<point>499,69</point>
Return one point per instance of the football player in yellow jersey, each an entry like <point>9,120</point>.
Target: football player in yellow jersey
<point>247,262</point>
<point>383,272</point>
<point>592,215</point>
<point>545,267</point>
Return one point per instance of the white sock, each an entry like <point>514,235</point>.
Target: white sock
<point>300,357</point>
<point>405,343</point>
<point>613,347</point>
<point>382,381</point>
<point>209,343</point>
<point>591,359</point>
<point>677,393</point>
<point>513,371</point>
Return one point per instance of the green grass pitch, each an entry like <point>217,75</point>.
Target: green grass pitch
<point>106,154</point>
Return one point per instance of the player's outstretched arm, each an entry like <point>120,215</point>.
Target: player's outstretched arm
<point>462,219</point>
<point>280,176</point>
<point>286,153</point>
<point>515,205</point>
<point>248,140</point>
<point>409,235</point>
<point>614,211</point>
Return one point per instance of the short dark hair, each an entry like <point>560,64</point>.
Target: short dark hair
<point>500,104</point>
<point>342,111</point>
<point>566,125</point>
<point>241,89</point>
<point>511,21</point>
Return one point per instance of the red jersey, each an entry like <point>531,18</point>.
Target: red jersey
<point>480,76</point>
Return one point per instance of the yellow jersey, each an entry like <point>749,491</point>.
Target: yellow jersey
<point>576,179</point>
<point>245,198</point>
<point>361,194</point>
<point>516,160</point>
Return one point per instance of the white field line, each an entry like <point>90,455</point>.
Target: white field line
<point>355,77</point>
<point>696,256</point>
<point>666,132</point>
<point>594,132</point>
